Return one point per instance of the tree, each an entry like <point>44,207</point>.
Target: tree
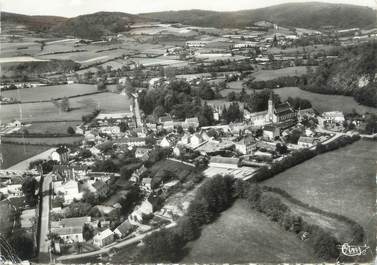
<point>123,126</point>
<point>70,130</point>
<point>64,105</point>
<point>187,229</point>
<point>101,86</point>
<point>29,188</point>
<point>78,209</point>
<point>282,149</point>
<point>22,244</point>
<point>87,232</point>
<point>131,199</point>
<point>163,246</point>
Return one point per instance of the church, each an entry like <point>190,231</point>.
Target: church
<point>274,114</point>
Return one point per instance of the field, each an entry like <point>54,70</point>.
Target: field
<point>52,127</point>
<point>242,235</point>
<point>265,75</point>
<point>48,92</point>
<point>53,141</point>
<point>14,153</point>
<point>342,181</point>
<point>322,102</point>
<point>46,111</point>
<point>315,48</point>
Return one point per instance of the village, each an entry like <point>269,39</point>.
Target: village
<point>92,205</point>
<point>130,125</point>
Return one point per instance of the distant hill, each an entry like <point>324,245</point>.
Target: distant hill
<point>95,25</point>
<point>305,15</point>
<point>311,15</point>
<point>91,26</point>
<point>36,23</point>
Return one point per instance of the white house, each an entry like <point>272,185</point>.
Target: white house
<point>146,184</point>
<point>69,190</point>
<point>69,234</point>
<point>245,145</point>
<point>103,238</point>
<point>270,132</point>
<point>123,229</point>
<point>136,217</point>
<point>333,116</point>
<point>305,142</point>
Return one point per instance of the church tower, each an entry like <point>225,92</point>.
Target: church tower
<point>271,108</point>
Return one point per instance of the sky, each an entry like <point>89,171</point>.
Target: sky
<point>71,8</point>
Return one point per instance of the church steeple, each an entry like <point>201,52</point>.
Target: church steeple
<point>271,108</point>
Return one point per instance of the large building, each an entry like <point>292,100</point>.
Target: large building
<point>283,112</point>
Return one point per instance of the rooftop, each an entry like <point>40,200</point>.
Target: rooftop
<point>224,160</point>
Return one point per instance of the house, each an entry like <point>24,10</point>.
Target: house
<point>69,190</point>
<point>333,117</point>
<point>28,218</point>
<point>142,153</point>
<point>195,140</point>
<point>191,122</point>
<point>223,162</point>
<point>245,145</point>
<point>101,187</point>
<point>112,130</point>
<point>75,221</point>
<point>12,190</point>
<point>168,141</point>
<point>124,229</point>
<point>69,234</point>
<point>167,122</point>
<point>169,185</point>
<point>305,142</point>
<point>146,184</point>
<point>270,132</point>
<point>131,141</point>
<point>137,173</point>
<point>136,217</point>
<point>103,238</point>
<point>95,151</point>
<point>192,141</point>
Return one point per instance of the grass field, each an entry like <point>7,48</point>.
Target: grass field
<point>315,48</point>
<point>53,141</point>
<point>14,153</point>
<point>322,102</point>
<point>48,92</point>
<point>242,235</point>
<point>265,75</point>
<point>52,127</point>
<point>46,111</point>
<point>342,181</point>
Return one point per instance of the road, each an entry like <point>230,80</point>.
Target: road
<point>111,246</point>
<point>45,214</point>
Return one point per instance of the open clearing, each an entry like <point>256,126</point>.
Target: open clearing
<point>46,111</point>
<point>342,181</point>
<point>52,127</point>
<point>265,75</point>
<point>242,235</point>
<point>323,102</point>
<point>48,92</point>
<point>14,153</point>
<point>44,140</point>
